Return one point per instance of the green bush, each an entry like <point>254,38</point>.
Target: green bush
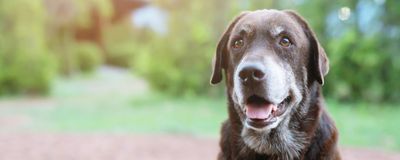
<point>36,40</point>
<point>121,44</point>
<point>361,68</point>
<point>179,75</point>
<point>120,54</point>
<point>25,63</point>
<point>179,62</point>
<point>27,74</point>
<point>88,56</point>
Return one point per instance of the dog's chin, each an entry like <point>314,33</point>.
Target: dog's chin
<point>261,115</point>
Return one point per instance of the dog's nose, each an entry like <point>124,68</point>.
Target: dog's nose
<point>251,73</point>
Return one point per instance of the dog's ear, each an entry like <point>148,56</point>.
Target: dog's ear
<point>318,59</point>
<point>220,58</point>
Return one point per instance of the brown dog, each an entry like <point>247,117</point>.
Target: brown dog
<point>274,69</point>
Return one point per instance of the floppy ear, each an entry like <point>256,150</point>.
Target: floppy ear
<point>220,58</point>
<point>318,60</point>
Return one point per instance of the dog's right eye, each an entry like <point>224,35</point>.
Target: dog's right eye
<point>238,43</point>
<point>285,42</point>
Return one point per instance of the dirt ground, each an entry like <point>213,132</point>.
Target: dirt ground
<point>62,146</point>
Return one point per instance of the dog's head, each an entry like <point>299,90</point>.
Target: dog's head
<point>269,57</point>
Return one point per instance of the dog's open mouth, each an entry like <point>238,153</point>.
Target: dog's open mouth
<point>261,113</point>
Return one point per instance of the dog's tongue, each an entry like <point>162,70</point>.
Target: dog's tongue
<point>259,111</point>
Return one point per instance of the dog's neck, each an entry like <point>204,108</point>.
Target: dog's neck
<point>289,141</point>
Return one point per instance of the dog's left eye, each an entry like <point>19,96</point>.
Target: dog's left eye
<point>285,42</point>
<point>238,43</point>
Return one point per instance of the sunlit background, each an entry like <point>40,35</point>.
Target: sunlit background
<point>129,79</point>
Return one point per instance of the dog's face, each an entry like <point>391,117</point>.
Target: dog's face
<point>270,57</point>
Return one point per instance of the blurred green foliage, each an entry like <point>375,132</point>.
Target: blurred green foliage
<point>65,22</point>
<point>35,42</point>
<point>179,62</point>
<point>87,56</point>
<point>38,42</point>
<point>122,44</point>
<point>363,56</point>
<point>25,63</point>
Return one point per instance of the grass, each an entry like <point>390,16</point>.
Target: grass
<point>372,125</point>
<point>196,116</point>
<point>78,109</point>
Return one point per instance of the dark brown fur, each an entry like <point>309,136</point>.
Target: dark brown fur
<point>320,140</point>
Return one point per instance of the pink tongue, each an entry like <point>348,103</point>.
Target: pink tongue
<point>259,111</point>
